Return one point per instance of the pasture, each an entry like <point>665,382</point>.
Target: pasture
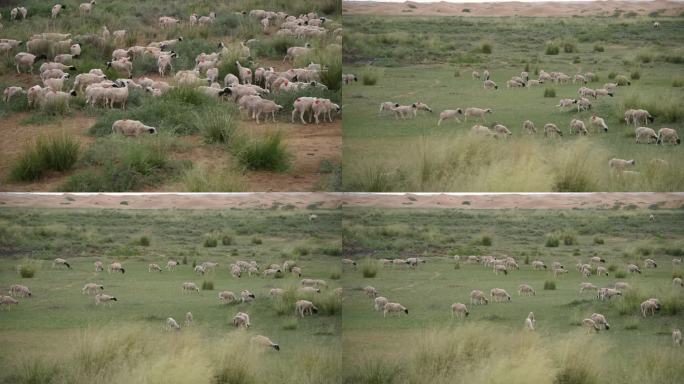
<point>60,336</point>
<point>197,134</point>
<point>490,345</point>
<point>406,59</point>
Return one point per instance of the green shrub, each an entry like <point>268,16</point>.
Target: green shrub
<point>256,241</point>
<point>576,60</point>
<point>486,241</point>
<point>290,324</point>
<point>677,83</point>
<point>185,260</point>
<point>227,240</point>
<point>486,48</point>
<point>552,49</point>
<point>369,268</point>
<point>217,125</point>
<point>569,47</point>
<point>620,274</point>
<point>54,153</point>
<point>268,153</point>
<point>612,268</point>
<point>369,78</point>
<point>27,271</point>
<point>207,285</point>
<point>210,242</point>
<point>598,240</point>
<point>335,274</point>
<point>569,238</point>
<point>552,241</point>
<point>144,241</point>
<point>635,75</point>
<point>549,92</point>
<point>612,75</point>
<point>598,48</point>
<point>549,285</point>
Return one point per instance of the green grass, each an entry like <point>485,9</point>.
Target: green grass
<point>369,268</point>
<point>265,153</point>
<point>47,153</point>
<point>77,342</point>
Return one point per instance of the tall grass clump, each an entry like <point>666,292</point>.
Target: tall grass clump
<point>486,48</point>
<point>666,107</point>
<point>207,285</point>
<point>549,92</point>
<point>216,125</point>
<point>369,78</point>
<point>369,268</point>
<point>552,241</point>
<point>210,242</point>
<point>335,273</point>
<point>27,271</point>
<point>677,83</point>
<point>53,153</point>
<point>598,48</point>
<point>205,178</point>
<point>549,285</point>
<point>635,75</point>
<point>552,49</point>
<point>265,153</point>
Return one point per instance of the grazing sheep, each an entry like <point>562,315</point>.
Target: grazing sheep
<point>528,126</point>
<point>530,322</point>
<point>200,270</point>
<point>649,306</point>
<point>489,84</point>
<point>154,267</point>
<point>676,337</point>
<point>132,128</point>
<point>171,265</point>
<point>577,127</point>
<point>459,310</point>
<point>10,92</point>
<point>19,290</point>
<point>91,288</point>
<point>583,104</point>
<point>226,297</point>
<point>241,320</point>
<point>27,60</point>
<point>8,301</point>
<point>379,303</point>
<point>650,263</point>
<point>598,123</point>
<point>603,92</point>
<point>566,103</point>
<point>475,75</point>
<point>271,272</point>
<point>645,133</point>
<point>370,291</point>
<point>526,290</point>
<point>667,135</point>
<point>116,267</point>
<point>631,268</point>
<point>172,325</point>
<point>393,308</point>
<point>450,114</point>
<point>302,307</point>
<point>607,293</point>
<point>123,66</point>
<point>619,165</point>
<point>677,282</point>
<point>590,325</point>
<point>514,84</point>
<point>308,290</point>
<point>587,286</point>
<point>559,271</point>
<point>478,297</point>
<point>485,74</point>
<point>104,299</point>
<point>349,262</point>
<point>99,266</point>
<point>302,105</point>
<point>404,111</point>
<point>247,296</point>
<point>500,268</point>
<point>164,62</point>
<point>276,292</point>
<point>189,287</point>
<point>600,271</point>
<point>641,115</point>
<point>600,321</point>
<point>656,25</point>
<point>348,78</point>
<point>386,106</point>
<point>265,342</point>
<point>60,262</point>
<point>56,9</point>
<point>676,262</point>
<point>551,129</point>
<point>501,131</point>
<point>538,265</point>
<point>498,294</point>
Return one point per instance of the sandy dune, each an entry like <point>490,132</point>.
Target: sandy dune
<point>537,9</point>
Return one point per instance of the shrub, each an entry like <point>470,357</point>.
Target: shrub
<point>486,48</point>
<point>301,251</point>
<point>185,260</point>
<point>569,238</point>
<point>612,75</point>
<point>644,58</point>
<point>210,242</point>
<point>552,241</point>
<point>466,10</point>
<point>549,285</point>
<point>207,285</point>
<point>27,271</point>
<point>612,268</point>
<point>552,49</point>
<point>226,240</point>
<point>216,125</point>
<point>576,60</point>
<point>527,260</point>
<point>290,324</point>
<point>256,241</point>
<point>598,48</point>
<point>268,153</point>
<point>635,75</point>
<point>598,240</point>
<point>569,47</point>
<point>144,241</point>
<point>369,78</point>
<point>486,241</point>
<point>369,268</point>
<point>207,178</point>
<point>549,92</point>
<point>620,274</point>
<point>335,274</point>
<point>55,153</point>
<point>677,83</point>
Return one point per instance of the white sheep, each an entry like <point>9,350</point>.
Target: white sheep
<point>247,296</point>
<point>600,321</point>
<point>559,271</point>
<point>370,291</point>
<point>586,287</point>
<point>583,104</point>
<point>646,133</point>
<point>498,294</point>
<point>91,288</point>
<point>551,129</point>
<point>26,60</point>
<point>245,74</point>
<point>379,303</point>
<point>500,268</point>
<point>164,62</point>
<point>677,282</point>
<point>641,115</point>
<point>116,267</point>
<point>227,297</point>
<point>172,325</point>
<point>577,127</point>
<point>302,307</point>
<point>566,103</point>
<point>478,297</point>
<point>501,130</point>
<point>649,306</point>
<point>120,65</point>
<point>86,8</point>
<point>528,126</point>
<point>489,84</point>
<point>526,290</point>
<point>189,287</point>
<point>56,9</point>
<point>667,135</point>
<point>241,320</point>
<point>446,115</point>
<point>308,290</point>
<point>171,265</point>
<point>530,322</point>
<point>75,50</point>
<point>102,298</point>
<point>476,112</point>
<point>19,290</point>
<point>10,92</point>
<point>270,107</point>
<point>619,165</point>
<point>394,308</point>
<point>590,325</point>
<point>8,301</point>
<point>154,267</point>
<point>60,262</point>
<point>676,337</point>
<point>276,292</point>
<point>459,310</point>
<point>631,268</point>
<point>265,342</point>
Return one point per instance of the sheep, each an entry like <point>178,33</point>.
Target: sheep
<point>102,298</point>
<point>656,25</point>
<point>500,268</point>
<point>8,301</point>
<point>276,292</point>
<point>404,111</point>
<point>526,290</point>
<point>475,75</point>
<point>583,104</point>
<point>10,92</point>
<point>650,263</point>
<point>600,271</point>
<point>676,262</point>
<point>677,282</point>
<point>579,79</point>
<point>164,61</point>
<point>498,294</point>
<point>59,262</point>
<point>587,286</point>
<point>349,262</point>
<point>446,115</point>
<point>485,74</point>
<point>84,79</point>
<point>577,127</point>
<point>241,320</point>
<point>75,50</point>
<point>459,310</point>
<point>476,112</point>
<point>320,106</point>
<point>538,265</point>
<point>530,322</point>
<point>534,83</point>
<point>116,267</point>
<point>348,78</point>
<point>640,115</point>
<point>528,126</point>
<point>603,92</point>
<point>56,84</point>
<point>585,92</point>
<point>676,337</point>
<point>166,44</point>
<point>631,268</point>
<point>489,84</point>
<point>245,74</point>
<point>379,303</point>
<point>171,325</point>
<point>622,80</point>
<point>649,306</point>
<point>622,285</point>
<point>271,272</point>
<point>600,321</point>
<point>171,265</point>
<point>394,308</point>
<point>226,297</point>
<point>91,288</point>
<point>551,129</point>
<point>206,20</point>
<point>27,60</point>
<point>86,8</point>
<point>247,296</point>
<point>667,135</point>
<point>478,297</point>
<point>119,35</point>
<point>154,267</point>
<point>265,342</point>
<point>268,106</point>
<point>559,271</point>
<point>610,86</point>
<point>167,22</point>
<point>645,133</point>
<point>514,84</point>
<point>566,103</point>
<point>308,290</point>
<point>619,164</point>
<point>56,9</point>
<point>188,287</point>
<point>302,307</point>
<point>370,291</point>
<point>501,131</point>
<point>19,290</point>
<point>124,66</point>
<point>590,325</point>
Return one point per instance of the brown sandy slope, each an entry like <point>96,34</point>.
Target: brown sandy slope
<point>538,9</point>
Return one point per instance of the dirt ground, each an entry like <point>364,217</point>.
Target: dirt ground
<point>536,9</point>
<point>303,200</point>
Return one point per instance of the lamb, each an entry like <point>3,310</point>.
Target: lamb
<point>590,325</point>
<point>676,337</point>
<point>587,286</point>
<point>485,74</point>
<point>645,133</point>
<point>476,112</point>
<point>489,84</point>
<point>56,9</point>
<point>619,164</point>
<point>265,342</point>
<point>667,135</point>
<point>91,288</point>
<point>124,66</point>
<point>241,320</point>
<point>641,115</point>
<point>102,298</point>
<point>677,282</point>
<point>478,297</point>
<point>445,115</point>
<point>320,106</point>
<point>404,111</point>
<point>551,129</point>
<point>27,60</point>
<point>649,306</point>
<point>530,322</point>
<point>603,92</point>
<point>459,310</point>
<point>226,297</point>
<point>370,291</point>
<point>75,50</point>
<point>86,8</point>
<point>19,290</point>
<point>566,103</point>
<point>498,294</point>
<point>526,290</point>
<point>164,62</point>
<point>577,127</point>
<point>528,126</point>
<point>188,287</point>
<point>394,308</point>
<point>10,92</point>
<point>59,261</point>
<point>247,296</point>
<point>379,303</point>
<point>598,123</point>
<point>8,301</point>
<point>600,321</point>
<point>302,307</point>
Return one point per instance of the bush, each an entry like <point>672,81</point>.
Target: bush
<point>677,83</point>
<point>552,241</point>
<point>569,47</point>
<point>612,75</point>
<point>207,285</point>
<point>268,153</point>
<point>486,241</point>
<point>27,271</point>
<point>635,75</point>
<point>644,58</point>
<point>598,240</point>
<point>210,242</point>
<point>185,260</point>
<point>576,60</point>
<point>369,78</point>
<point>256,241</point>
<point>216,125</point>
<point>620,274</point>
<point>55,153</point>
<point>486,48</point>
<point>549,92</point>
<point>290,324</point>
<point>226,240</point>
<point>612,268</point>
<point>369,268</point>
<point>144,241</point>
<point>549,285</point>
<point>666,107</point>
<point>207,178</point>
<point>335,274</point>
<point>598,48</point>
<point>552,49</point>
<point>569,238</point>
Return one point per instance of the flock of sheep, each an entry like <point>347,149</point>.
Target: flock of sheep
<point>246,90</point>
<point>309,288</point>
<point>594,322</point>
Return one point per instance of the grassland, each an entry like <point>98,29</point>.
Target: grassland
<point>60,336</point>
<point>430,59</point>
<point>490,346</point>
<point>182,116</point>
